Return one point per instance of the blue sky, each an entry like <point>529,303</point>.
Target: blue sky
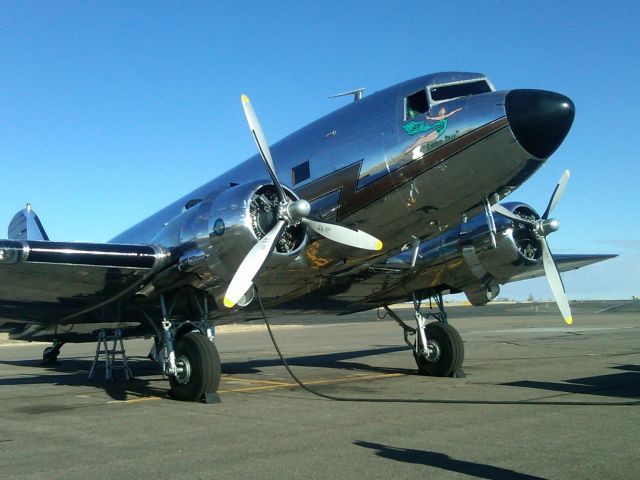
<point>110,110</point>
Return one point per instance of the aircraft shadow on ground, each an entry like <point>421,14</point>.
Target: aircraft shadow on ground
<point>340,360</point>
<point>623,385</point>
<point>74,371</point>
<point>444,462</point>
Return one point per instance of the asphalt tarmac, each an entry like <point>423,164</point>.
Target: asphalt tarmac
<point>539,400</point>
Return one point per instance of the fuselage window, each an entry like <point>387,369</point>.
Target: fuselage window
<point>448,92</point>
<point>415,104</point>
<point>192,203</point>
<point>300,173</point>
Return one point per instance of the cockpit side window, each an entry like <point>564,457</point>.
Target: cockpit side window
<point>415,104</point>
<point>449,92</point>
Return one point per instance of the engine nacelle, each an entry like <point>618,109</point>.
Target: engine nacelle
<point>517,248</point>
<point>464,258</point>
<point>517,243</point>
<point>242,215</point>
<point>212,236</point>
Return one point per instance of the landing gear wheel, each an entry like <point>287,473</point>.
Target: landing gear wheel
<point>50,354</point>
<point>447,352</point>
<point>198,365</point>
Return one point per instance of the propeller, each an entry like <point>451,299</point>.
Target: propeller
<point>290,212</point>
<point>543,227</point>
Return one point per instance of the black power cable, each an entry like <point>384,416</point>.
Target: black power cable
<point>420,400</point>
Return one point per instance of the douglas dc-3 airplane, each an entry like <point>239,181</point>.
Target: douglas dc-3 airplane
<point>419,166</point>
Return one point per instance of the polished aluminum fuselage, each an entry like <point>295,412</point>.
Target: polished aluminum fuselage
<point>362,174</point>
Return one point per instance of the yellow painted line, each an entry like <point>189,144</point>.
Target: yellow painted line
<point>253,389</point>
<point>271,385</point>
<point>138,400</point>
<point>357,378</point>
<point>251,380</point>
<point>354,378</point>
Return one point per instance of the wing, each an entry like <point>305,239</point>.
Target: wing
<point>564,262</point>
<point>393,280</point>
<point>42,281</point>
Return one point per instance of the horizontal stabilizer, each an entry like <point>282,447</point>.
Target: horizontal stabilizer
<point>26,225</point>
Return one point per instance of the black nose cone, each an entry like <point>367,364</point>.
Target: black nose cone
<point>539,119</point>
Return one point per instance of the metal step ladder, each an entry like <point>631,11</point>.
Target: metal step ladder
<point>110,361</point>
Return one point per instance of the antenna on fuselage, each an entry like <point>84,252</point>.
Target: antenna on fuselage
<point>357,94</point>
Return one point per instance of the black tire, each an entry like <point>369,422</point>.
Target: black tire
<point>50,356</point>
<point>204,364</point>
<point>451,351</point>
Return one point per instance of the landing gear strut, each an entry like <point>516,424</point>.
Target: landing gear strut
<point>187,352</point>
<point>437,346</point>
<point>50,354</point>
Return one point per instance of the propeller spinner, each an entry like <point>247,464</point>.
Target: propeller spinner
<point>290,212</point>
<point>543,227</point>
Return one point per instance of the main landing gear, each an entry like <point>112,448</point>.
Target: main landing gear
<point>187,352</point>
<point>437,346</point>
<point>50,354</point>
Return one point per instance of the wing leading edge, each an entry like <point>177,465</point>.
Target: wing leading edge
<point>42,281</point>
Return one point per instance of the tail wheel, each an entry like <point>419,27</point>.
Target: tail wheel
<point>448,354</point>
<point>198,364</point>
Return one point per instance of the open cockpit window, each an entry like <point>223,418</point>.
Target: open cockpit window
<point>449,92</point>
<point>415,105</point>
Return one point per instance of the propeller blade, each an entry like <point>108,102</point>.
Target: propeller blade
<point>344,235</point>
<point>555,282</point>
<point>251,264</point>
<point>261,143</point>
<point>557,193</point>
<point>507,213</point>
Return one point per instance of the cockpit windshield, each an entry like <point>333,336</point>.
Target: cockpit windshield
<point>449,92</point>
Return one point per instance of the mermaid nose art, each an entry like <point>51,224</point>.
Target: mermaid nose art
<point>539,119</point>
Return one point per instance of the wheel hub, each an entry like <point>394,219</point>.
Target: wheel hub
<point>432,353</point>
<point>183,370</point>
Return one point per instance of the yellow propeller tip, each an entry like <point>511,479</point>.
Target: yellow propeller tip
<point>228,302</point>
<point>379,245</point>
<point>569,320</point>
<point>568,173</point>
<point>245,99</point>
